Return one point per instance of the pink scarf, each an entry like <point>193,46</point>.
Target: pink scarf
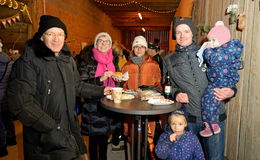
<point>105,63</point>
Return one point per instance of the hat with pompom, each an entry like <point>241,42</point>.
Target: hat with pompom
<point>220,32</point>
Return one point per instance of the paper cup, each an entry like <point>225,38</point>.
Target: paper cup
<point>117,94</point>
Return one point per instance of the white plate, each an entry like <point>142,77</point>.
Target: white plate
<point>160,101</point>
<point>125,97</point>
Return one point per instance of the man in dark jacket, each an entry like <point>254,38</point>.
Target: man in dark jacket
<point>188,84</point>
<point>42,93</point>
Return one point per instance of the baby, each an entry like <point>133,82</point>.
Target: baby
<point>176,143</point>
<point>222,57</point>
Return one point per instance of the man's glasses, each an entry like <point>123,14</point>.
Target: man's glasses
<point>103,41</point>
<point>53,35</point>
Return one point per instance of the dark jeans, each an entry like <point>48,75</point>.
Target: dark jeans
<point>2,134</point>
<point>6,127</point>
<point>98,147</point>
<point>213,146</point>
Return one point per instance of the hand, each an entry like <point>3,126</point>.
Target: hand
<point>173,137</point>
<point>182,98</point>
<point>107,91</point>
<point>106,75</point>
<point>223,93</point>
<point>116,79</point>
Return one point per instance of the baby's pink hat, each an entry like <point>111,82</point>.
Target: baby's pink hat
<point>220,32</point>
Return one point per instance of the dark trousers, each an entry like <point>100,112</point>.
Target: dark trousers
<point>6,127</point>
<point>98,147</point>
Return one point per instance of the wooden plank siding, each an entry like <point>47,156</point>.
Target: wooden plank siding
<point>243,122</point>
<point>163,36</point>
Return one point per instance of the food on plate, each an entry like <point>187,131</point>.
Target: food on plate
<point>148,97</point>
<point>118,74</point>
<point>127,96</point>
<point>121,76</point>
<point>123,97</point>
<point>149,94</point>
<point>130,92</point>
<point>160,101</point>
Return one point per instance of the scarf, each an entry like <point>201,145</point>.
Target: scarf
<point>105,63</point>
<point>137,60</point>
<point>200,52</point>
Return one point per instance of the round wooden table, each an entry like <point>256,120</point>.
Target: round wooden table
<point>138,108</point>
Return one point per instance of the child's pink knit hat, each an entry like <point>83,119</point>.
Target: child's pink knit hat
<point>220,32</point>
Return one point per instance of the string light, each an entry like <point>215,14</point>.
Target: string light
<point>10,4</point>
<point>13,4</point>
<point>140,15</point>
<point>115,4</point>
<point>143,29</point>
<point>17,6</point>
<point>2,2</point>
<point>136,3</point>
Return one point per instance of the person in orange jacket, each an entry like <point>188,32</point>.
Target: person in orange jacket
<point>143,70</point>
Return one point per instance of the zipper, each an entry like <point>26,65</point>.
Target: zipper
<point>139,76</point>
<point>49,86</point>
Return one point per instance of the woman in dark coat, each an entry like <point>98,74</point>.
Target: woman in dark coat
<point>98,65</point>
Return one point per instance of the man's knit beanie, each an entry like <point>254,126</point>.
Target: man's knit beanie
<point>181,20</point>
<point>47,22</point>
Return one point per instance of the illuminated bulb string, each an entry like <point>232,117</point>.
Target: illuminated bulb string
<point>140,15</point>
<point>13,4</point>
<point>130,3</point>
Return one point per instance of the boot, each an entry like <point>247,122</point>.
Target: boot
<point>3,151</point>
<point>210,130</point>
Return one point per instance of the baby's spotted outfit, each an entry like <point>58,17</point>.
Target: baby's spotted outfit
<point>222,70</point>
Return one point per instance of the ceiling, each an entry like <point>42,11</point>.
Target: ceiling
<point>157,14</point>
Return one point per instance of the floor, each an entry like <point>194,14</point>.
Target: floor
<point>16,152</point>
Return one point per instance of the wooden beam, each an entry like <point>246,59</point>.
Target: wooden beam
<point>147,28</point>
<point>144,22</point>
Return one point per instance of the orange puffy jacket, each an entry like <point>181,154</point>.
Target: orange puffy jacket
<point>148,73</point>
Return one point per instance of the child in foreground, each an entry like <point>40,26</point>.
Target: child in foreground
<point>222,58</point>
<point>176,143</point>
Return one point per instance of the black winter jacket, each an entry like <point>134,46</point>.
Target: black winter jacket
<point>42,94</point>
<point>187,77</point>
<point>95,119</point>
<point>5,70</point>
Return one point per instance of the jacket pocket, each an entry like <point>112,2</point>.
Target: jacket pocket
<point>53,140</point>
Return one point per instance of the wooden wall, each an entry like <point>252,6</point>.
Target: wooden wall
<point>163,36</point>
<point>83,21</point>
<point>243,123</point>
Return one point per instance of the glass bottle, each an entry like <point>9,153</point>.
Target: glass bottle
<point>167,87</point>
